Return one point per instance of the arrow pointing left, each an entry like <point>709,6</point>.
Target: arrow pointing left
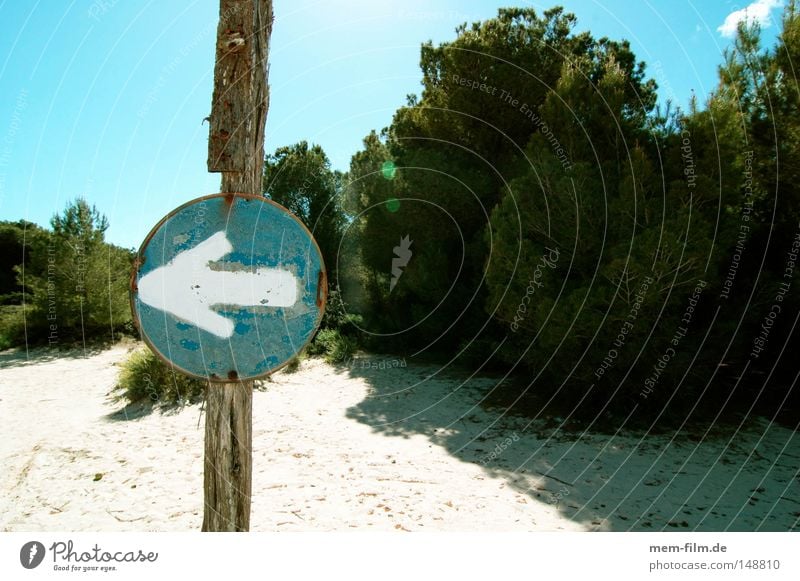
<point>187,287</point>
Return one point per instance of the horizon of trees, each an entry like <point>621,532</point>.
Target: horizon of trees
<point>535,212</point>
<point>65,284</point>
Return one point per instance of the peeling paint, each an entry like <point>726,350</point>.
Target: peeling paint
<point>263,235</point>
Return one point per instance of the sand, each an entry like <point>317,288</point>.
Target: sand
<point>368,446</point>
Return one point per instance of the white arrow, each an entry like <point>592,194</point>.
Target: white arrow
<point>188,288</point>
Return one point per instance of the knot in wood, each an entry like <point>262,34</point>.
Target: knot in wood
<point>233,42</point>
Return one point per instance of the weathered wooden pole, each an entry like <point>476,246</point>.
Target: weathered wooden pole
<point>235,149</point>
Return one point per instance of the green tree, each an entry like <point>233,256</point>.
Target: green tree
<point>300,178</point>
<point>454,150</point>
<point>762,85</point>
<point>492,102</point>
<point>569,229</point>
<point>79,283</point>
<point>16,239</point>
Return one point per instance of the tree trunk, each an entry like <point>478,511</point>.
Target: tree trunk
<point>236,149</point>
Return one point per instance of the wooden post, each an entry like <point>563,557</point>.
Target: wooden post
<point>236,149</point>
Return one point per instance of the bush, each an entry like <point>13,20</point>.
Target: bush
<point>78,283</point>
<point>145,377</point>
<point>294,363</point>
<point>12,326</point>
<point>337,316</point>
<point>332,345</point>
<point>338,337</point>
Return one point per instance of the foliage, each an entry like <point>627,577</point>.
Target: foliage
<point>77,283</point>
<point>145,377</point>
<point>573,232</point>
<point>299,177</point>
<point>332,345</point>
<point>533,210</point>
<point>12,326</point>
<point>294,363</point>
<point>16,239</point>
<point>337,316</point>
<point>761,85</point>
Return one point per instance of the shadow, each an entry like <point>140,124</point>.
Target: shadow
<point>131,412</point>
<point>20,356</point>
<point>692,480</point>
<point>136,410</point>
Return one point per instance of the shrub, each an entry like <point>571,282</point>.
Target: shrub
<point>294,363</point>
<point>332,345</point>
<point>337,316</point>
<point>145,377</point>
<point>12,326</point>
<point>78,283</point>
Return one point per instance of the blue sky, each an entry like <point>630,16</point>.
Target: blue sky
<point>105,98</point>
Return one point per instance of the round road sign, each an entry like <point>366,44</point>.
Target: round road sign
<point>228,287</point>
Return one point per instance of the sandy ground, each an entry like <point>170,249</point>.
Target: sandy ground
<point>362,447</point>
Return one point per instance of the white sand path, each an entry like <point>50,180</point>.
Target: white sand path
<point>375,449</point>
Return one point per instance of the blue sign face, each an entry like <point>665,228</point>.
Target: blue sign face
<point>228,287</point>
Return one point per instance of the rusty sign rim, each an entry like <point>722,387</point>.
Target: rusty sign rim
<point>230,197</point>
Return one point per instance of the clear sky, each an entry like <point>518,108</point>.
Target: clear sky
<point>105,98</point>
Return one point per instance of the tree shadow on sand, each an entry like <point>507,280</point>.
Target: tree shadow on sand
<point>744,481</point>
<point>20,356</point>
